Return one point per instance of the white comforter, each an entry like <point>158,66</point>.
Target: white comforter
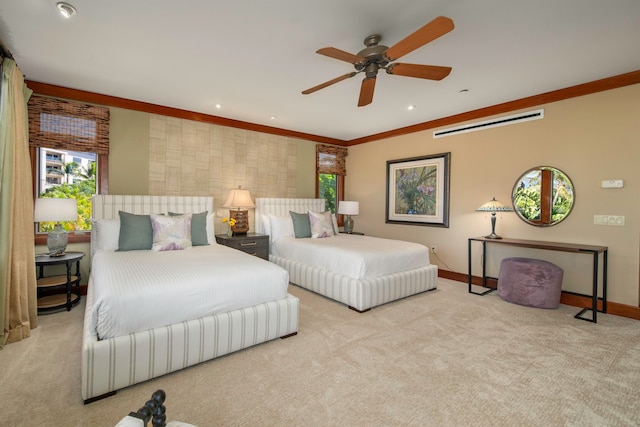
<point>360,257</point>
<point>140,290</point>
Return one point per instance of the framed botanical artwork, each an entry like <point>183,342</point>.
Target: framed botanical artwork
<point>418,190</point>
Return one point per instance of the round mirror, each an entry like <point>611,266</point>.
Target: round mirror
<point>543,196</point>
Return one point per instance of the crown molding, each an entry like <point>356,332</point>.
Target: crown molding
<point>595,86</point>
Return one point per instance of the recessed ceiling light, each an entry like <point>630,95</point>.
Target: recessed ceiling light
<point>218,106</point>
<point>411,107</point>
<point>272,117</point>
<point>66,9</point>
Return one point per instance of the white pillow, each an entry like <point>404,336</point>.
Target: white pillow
<point>334,222</point>
<point>281,226</point>
<point>171,233</point>
<point>211,233</point>
<point>321,224</point>
<point>266,224</point>
<point>105,234</point>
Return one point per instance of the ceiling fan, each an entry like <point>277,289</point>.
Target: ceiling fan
<point>375,57</point>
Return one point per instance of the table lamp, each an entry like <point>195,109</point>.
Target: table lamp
<point>348,208</point>
<point>494,206</point>
<point>239,198</point>
<point>50,210</point>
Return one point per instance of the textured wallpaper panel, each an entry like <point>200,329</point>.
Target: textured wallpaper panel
<point>190,158</point>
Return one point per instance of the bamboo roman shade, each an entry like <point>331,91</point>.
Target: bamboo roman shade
<point>331,159</point>
<point>56,123</point>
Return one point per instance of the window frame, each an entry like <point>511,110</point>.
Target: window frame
<point>102,187</point>
<point>340,177</point>
<point>99,143</point>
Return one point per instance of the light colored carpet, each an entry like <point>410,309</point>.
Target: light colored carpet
<point>442,358</point>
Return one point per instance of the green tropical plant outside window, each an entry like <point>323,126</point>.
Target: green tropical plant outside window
<point>328,190</point>
<point>543,196</point>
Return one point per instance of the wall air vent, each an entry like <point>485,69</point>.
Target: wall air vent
<point>500,121</point>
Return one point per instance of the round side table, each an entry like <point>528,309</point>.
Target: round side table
<point>50,296</point>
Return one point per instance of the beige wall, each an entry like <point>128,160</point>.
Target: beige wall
<point>306,169</point>
<point>129,158</point>
<point>128,152</point>
<point>591,138</point>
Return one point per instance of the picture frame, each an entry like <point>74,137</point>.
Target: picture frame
<point>418,190</point>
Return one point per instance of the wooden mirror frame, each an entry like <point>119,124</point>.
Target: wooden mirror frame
<point>543,196</point>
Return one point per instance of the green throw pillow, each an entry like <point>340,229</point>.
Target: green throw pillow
<point>301,225</point>
<point>198,228</point>
<point>135,232</point>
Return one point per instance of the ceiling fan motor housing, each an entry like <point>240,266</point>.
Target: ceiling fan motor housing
<point>374,56</point>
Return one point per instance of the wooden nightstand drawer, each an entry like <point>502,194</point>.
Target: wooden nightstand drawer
<point>243,243</point>
<point>251,243</point>
<point>259,252</point>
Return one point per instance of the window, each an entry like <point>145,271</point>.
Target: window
<point>331,172</point>
<point>69,146</point>
<point>67,174</point>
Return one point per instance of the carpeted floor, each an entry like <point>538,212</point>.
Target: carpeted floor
<point>442,358</point>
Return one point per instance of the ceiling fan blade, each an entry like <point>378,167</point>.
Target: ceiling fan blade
<point>431,72</point>
<point>334,53</point>
<point>329,83</point>
<point>431,31</point>
<point>366,91</point>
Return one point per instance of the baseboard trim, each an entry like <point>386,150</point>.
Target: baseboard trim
<point>568,298</point>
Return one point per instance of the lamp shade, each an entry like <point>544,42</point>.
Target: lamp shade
<point>55,210</point>
<point>239,199</point>
<point>346,207</point>
<point>494,205</point>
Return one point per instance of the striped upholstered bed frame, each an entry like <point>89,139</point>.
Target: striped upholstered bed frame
<point>360,295</point>
<point>112,364</point>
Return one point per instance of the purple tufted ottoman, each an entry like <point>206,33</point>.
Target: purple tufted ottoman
<point>530,282</point>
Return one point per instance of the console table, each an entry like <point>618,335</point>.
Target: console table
<point>595,251</point>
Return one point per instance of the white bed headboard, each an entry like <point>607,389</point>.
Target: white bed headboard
<point>107,206</point>
<point>281,207</point>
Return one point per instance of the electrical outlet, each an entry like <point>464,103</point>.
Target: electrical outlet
<point>434,249</point>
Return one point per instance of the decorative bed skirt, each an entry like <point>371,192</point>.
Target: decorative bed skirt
<point>112,364</point>
<point>360,295</point>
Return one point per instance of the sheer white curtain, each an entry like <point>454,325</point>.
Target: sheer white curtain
<point>18,302</point>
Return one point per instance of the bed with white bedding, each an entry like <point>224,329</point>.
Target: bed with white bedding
<point>149,313</point>
<point>359,271</point>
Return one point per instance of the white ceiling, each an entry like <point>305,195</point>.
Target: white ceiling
<point>255,56</point>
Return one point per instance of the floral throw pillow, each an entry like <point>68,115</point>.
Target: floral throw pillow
<point>321,224</point>
<point>171,233</point>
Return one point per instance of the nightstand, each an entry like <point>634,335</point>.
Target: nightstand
<point>50,296</point>
<point>252,243</point>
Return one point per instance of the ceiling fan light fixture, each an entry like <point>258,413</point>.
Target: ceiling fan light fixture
<point>66,9</point>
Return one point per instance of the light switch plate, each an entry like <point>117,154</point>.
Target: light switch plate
<point>609,220</point>
<point>612,183</point>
